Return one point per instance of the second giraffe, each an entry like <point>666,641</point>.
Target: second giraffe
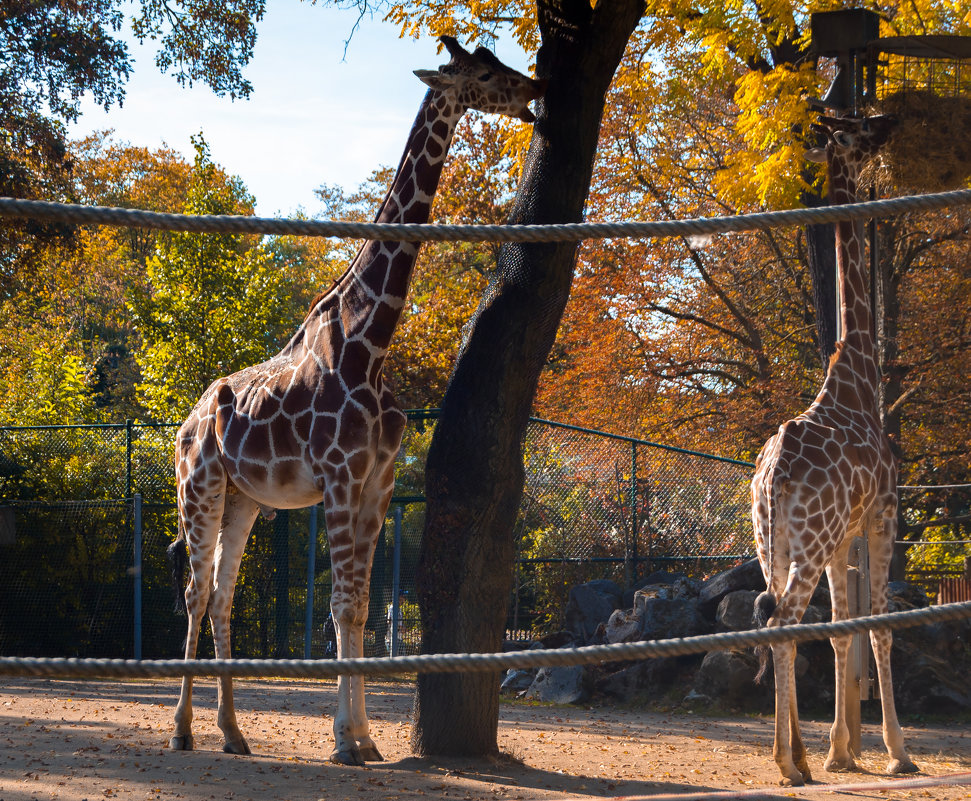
<point>828,476</point>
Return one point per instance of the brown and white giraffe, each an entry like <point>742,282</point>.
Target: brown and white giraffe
<point>828,476</point>
<point>316,422</point>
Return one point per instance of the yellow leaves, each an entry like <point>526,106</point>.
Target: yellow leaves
<point>772,111</point>
<point>473,21</point>
<point>717,60</point>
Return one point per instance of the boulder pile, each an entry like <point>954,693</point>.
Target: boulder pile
<point>927,660</point>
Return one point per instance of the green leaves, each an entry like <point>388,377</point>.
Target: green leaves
<point>214,303</point>
<point>207,41</point>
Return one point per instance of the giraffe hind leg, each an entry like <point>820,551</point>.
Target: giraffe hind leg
<point>238,518</point>
<point>197,593</point>
<point>374,507</point>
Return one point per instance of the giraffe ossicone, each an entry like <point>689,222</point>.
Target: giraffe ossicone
<point>316,422</point>
<point>828,476</point>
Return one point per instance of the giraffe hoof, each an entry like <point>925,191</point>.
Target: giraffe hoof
<point>370,753</point>
<point>840,764</point>
<point>349,756</point>
<point>902,766</point>
<point>181,742</point>
<point>237,747</point>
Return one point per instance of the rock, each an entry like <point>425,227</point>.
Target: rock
<point>663,577</point>
<point>624,626</point>
<point>658,577</point>
<point>902,595</point>
<point>589,605</point>
<point>727,677</point>
<point>746,576</point>
<point>662,619</point>
<point>926,683</point>
<point>735,611</point>
<point>560,685</point>
<point>517,680</point>
<point>649,676</point>
<point>557,639</point>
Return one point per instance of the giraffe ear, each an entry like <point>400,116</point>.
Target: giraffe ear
<point>434,79</point>
<point>817,155</point>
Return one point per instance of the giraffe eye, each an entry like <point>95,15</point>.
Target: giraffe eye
<point>485,76</point>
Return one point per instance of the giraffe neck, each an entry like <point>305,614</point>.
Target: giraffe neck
<point>369,297</point>
<point>852,379</point>
<point>855,314</point>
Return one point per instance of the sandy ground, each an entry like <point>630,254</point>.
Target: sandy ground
<point>77,740</point>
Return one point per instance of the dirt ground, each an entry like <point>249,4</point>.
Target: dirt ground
<point>77,740</point>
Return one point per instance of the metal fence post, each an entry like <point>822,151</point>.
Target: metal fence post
<point>396,582</point>
<point>311,571</point>
<point>633,514</point>
<point>128,457</point>
<point>137,573</point>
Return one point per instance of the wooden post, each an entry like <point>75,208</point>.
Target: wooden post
<point>858,671</point>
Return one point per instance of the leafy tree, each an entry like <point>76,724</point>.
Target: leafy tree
<point>474,478</point>
<point>43,379</point>
<point>215,304</point>
<point>53,52</point>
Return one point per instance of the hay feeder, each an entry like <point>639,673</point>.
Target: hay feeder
<point>924,81</point>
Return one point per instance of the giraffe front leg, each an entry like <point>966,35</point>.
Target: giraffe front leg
<point>346,749</point>
<point>840,757</point>
<point>353,743</point>
<point>882,642</point>
<point>893,736</point>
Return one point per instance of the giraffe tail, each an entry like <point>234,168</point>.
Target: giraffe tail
<point>764,607</point>
<point>178,556</point>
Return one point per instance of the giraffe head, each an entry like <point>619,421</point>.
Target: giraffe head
<point>851,141</point>
<point>481,81</point>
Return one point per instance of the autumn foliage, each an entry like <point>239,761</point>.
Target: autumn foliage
<point>705,343</point>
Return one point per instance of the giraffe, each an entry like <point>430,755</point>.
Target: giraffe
<point>316,421</point>
<point>828,476</point>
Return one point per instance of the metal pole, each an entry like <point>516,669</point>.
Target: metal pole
<point>137,574</point>
<point>311,571</point>
<point>128,457</point>
<point>633,510</point>
<point>395,581</point>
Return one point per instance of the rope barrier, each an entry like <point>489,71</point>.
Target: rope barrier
<point>570,232</point>
<point>887,786</point>
<point>443,663</point>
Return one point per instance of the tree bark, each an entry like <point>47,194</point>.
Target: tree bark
<point>821,249</point>
<point>474,473</point>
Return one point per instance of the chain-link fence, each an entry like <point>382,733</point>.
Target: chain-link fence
<point>86,513</point>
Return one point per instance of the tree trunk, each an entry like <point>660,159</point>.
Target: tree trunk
<point>821,248</point>
<point>886,315</point>
<point>474,473</point>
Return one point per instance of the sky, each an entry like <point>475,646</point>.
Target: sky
<point>316,116</point>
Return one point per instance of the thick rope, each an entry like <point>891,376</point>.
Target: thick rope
<point>476,663</point>
<point>762,794</point>
<point>572,232</point>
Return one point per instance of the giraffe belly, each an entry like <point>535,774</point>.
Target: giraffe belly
<point>287,486</point>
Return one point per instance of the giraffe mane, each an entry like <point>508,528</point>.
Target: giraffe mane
<point>835,355</point>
